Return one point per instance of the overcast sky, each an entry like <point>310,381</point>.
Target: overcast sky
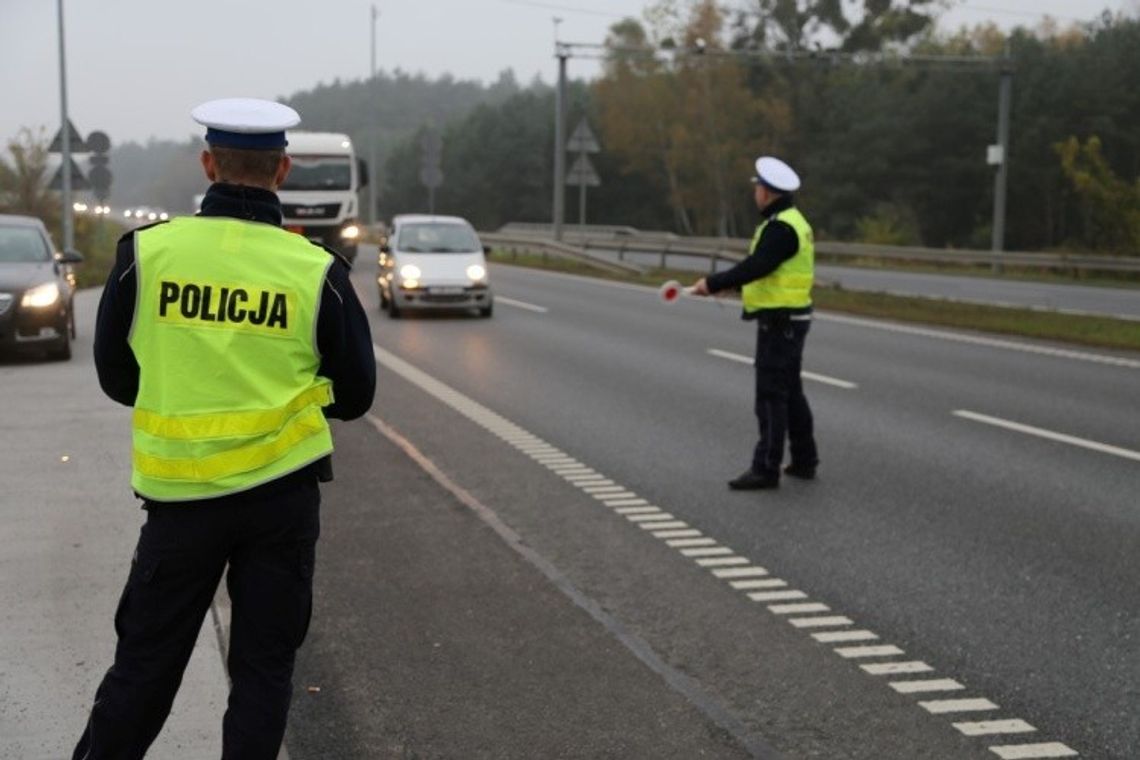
<point>137,67</point>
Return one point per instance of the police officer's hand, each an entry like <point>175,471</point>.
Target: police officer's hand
<point>700,287</point>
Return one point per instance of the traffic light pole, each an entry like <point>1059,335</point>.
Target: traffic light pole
<point>65,133</point>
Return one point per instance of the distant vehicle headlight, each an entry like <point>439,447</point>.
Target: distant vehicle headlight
<point>410,272</point>
<point>138,214</point>
<point>351,232</point>
<point>476,272</point>
<point>164,216</point>
<point>127,213</point>
<point>40,296</point>
<point>151,216</point>
<point>79,206</point>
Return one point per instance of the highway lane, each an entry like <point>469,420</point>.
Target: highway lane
<point>1003,559</point>
<point>1078,299</point>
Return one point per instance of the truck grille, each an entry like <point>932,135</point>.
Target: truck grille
<point>303,212</point>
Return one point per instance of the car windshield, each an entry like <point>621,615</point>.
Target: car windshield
<point>433,237</point>
<point>22,244</point>
<point>319,173</point>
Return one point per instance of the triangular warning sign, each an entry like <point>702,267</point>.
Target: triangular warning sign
<point>583,173</point>
<point>78,179</point>
<point>77,145</point>
<point>582,140</point>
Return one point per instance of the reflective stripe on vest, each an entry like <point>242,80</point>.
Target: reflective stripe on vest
<point>224,334</point>
<point>788,287</point>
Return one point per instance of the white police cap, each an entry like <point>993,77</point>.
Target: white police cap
<point>775,174</point>
<point>247,123</point>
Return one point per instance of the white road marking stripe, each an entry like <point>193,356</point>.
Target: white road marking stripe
<point>647,509</point>
<point>739,572</point>
<point>680,543</point>
<point>821,622</point>
<point>723,561</point>
<point>776,596</point>
<point>883,650</point>
<point>577,471</point>
<point>798,609</point>
<point>835,637</point>
<point>891,668</point>
<point>615,495</point>
<point>940,706</point>
<point>762,583</point>
<point>624,502</point>
<point>980,341</point>
<point>663,525</point>
<point>521,304</point>
<point>582,480</point>
<point>690,533</point>
<point>988,727</point>
<point>932,684</point>
<point>599,488</point>
<point>560,467</point>
<point>649,516</point>
<point>1103,448</point>
<point>805,375</point>
<point>1025,751</point>
<point>718,551</point>
<point>554,457</point>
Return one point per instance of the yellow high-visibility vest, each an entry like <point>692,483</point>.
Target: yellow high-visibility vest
<point>790,285</point>
<point>225,336</point>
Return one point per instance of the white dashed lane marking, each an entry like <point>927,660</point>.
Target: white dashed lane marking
<point>521,304</point>
<point>1072,440</point>
<point>742,359</point>
<point>740,573</point>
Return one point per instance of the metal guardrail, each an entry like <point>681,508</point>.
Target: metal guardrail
<point>548,247</point>
<point>665,244</point>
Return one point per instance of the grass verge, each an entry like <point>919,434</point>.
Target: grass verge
<point>1102,332</point>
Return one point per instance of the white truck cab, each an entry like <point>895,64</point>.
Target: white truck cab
<point>320,197</point>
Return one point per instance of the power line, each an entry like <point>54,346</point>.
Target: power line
<point>566,8</point>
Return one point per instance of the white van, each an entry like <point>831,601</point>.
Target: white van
<point>433,262</point>
<point>320,197</point>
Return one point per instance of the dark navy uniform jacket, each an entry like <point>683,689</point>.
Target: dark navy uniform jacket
<point>344,338</point>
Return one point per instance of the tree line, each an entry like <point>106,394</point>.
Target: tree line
<point>889,152</point>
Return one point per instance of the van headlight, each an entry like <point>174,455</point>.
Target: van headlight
<point>477,273</point>
<point>41,296</point>
<point>351,232</point>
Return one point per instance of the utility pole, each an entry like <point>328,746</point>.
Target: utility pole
<point>1005,88</point>
<point>559,145</point>
<point>65,132</point>
<point>372,133</point>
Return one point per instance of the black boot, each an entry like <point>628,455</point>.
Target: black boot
<point>803,472</point>
<point>752,481</point>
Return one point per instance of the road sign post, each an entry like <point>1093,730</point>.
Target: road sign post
<point>431,175</point>
<point>582,173</point>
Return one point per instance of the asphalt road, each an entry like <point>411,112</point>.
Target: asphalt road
<point>1122,303</point>
<point>998,562</point>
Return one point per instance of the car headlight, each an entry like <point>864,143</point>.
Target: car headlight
<point>410,272</point>
<point>476,272</point>
<point>40,296</point>
<point>351,232</point>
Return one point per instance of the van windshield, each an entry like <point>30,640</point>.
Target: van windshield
<point>435,237</point>
<point>22,244</point>
<point>319,173</point>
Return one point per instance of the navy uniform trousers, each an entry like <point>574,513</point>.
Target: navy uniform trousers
<point>782,410</point>
<point>268,538</point>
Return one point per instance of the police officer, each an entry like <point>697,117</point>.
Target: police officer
<point>775,282</point>
<point>233,340</point>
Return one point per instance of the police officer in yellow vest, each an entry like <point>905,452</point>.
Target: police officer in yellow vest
<point>234,341</point>
<point>775,282</point>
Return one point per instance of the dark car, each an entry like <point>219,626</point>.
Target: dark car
<point>36,290</point>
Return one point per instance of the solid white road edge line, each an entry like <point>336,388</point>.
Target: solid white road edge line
<point>1072,440</point>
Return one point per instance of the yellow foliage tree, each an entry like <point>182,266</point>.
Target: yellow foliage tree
<point>1110,205</point>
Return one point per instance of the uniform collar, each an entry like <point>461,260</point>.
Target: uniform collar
<point>242,202</point>
<point>783,203</point>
